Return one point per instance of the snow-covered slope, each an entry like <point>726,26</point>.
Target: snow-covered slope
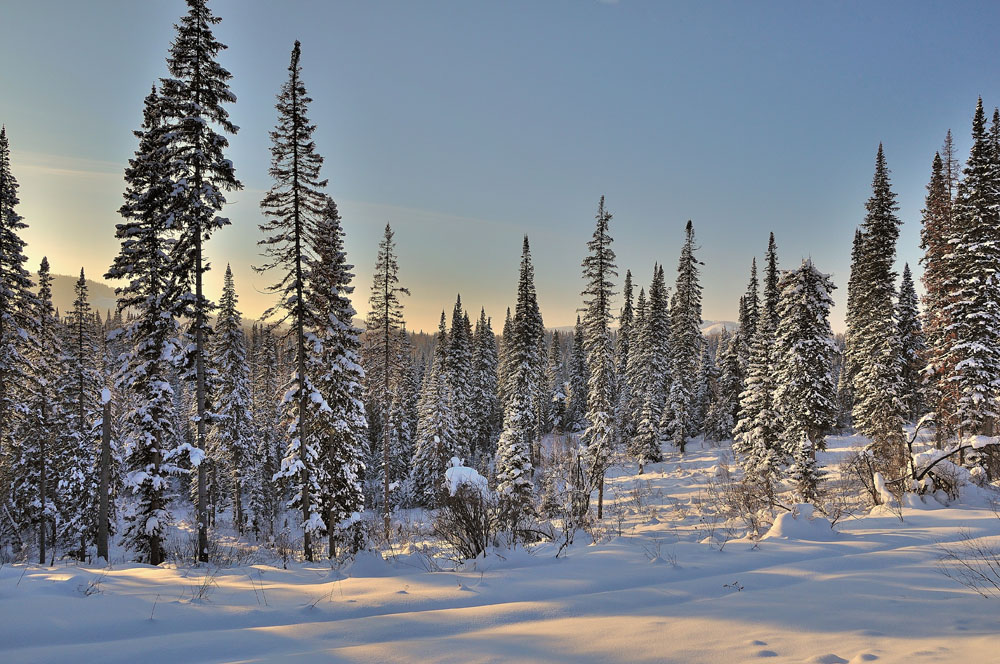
<point>665,582</point>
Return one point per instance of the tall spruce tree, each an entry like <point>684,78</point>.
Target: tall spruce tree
<point>653,369</point>
<point>460,376</point>
<point>436,435</point>
<point>334,365</point>
<point>685,343</point>
<point>233,435</point>
<point>849,366</point>
<point>385,320</point>
<point>912,348</point>
<point>149,296</point>
<point>878,407</point>
<point>623,347</point>
<point>487,396</point>
<point>194,98</point>
<point>16,322</point>
<point>294,204</point>
<point>602,433</point>
<point>973,287</point>
<point>936,231</point>
<point>576,405</point>
<point>805,393</point>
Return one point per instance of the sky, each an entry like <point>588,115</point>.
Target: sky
<point>466,125</point>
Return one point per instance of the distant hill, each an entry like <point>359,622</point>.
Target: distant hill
<point>101,295</point>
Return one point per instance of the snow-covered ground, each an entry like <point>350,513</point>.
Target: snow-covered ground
<point>667,581</point>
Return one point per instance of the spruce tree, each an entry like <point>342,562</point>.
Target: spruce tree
<point>194,98</point>
<point>937,228</point>
<point>436,440</point>
<point>77,443</point>
<point>576,408</point>
<point>849,367</point>
<point>459,376</point>
<point>334,365</point>
<point>805,393</point>
<point>487,398</point>
<point>149,296</point>
<point>16,321</point>
<point>385,320</point>
<point>557,385</point>
<point>623,347</point>
<point>652,371</point>
<point>973,300</point>
<point>911,344</point>
<point>602,434</point>
<point>878,408</point>
<point>233,435</point>
<point>685,343</point>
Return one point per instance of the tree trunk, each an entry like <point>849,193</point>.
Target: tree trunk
<point>42,489</point>
<point>600,499</point>
<point>102,515</point>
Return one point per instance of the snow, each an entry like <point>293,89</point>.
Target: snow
<point>457,475</point>
<point>105,395</point>
<point>666,584</point>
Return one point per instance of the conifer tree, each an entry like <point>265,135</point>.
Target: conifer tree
<point>76,445</point>
<point>385,320</point>
<point>635,370</point>
<point>233,435</point>
<point>849,368</point>
<point>576,408</point>
<point>16,321</point>
<point>602,434</point>
<point>973,300</point>
<point>505,360</point>
<point>515,449</point>
<point>878,408</point>
<point>149,295</point>
<point>721,416</point>
<point>804,395</point>
<point>294,204</point>
<point>626,318</point>
<point>749,312</point>
<point>557,385</point>
<point>685,343</point>
<point>459,376</point>
<point>653,370</point>
<point>911,343</point>
<point>436,442</point>
<point>334,364</point>
<point>936,230</point>
<point>487,399</point>
<point>194,98</point>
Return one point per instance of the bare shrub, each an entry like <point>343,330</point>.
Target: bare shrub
<point>972,562</point>
<point>475,519</point>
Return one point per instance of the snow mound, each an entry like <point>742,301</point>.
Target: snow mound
<point>458,475</point>
<point>802,524</point>
<point>370,564</point>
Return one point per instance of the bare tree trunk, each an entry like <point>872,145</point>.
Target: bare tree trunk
<point>600,499</point>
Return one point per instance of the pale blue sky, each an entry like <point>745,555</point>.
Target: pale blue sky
<point>467,124</point>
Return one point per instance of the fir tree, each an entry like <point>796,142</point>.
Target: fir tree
<point>194,98</point>
<point>459,376</point>
<point>294,203</point>
<point>576,408</point>
<point>626,319</point>
<point>653,369</point>
<point>849,368</point>
<point>557,385</point>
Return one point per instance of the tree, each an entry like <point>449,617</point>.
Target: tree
<point>487,397</point>
<point>436,442</point>
<point>81,406</point>
<point>653,370</point>
<point>845,386</point>
<point>557,385</point>
<point>626,319</point>
<point>233,435</point>
<point>334,364</point>
<point>16,322</point>
<point>973,301</point>
<point>263,492</point>
<point>459,375</point>
<point>385,319</point>
<point>601,434</point>
<point>878,408</point>
<point>576,400</point>
<point>294,203</point>
<point>515,449</point>
<point>911,344</point>
<point>937,228</point>
<point>193,99</point>
<point>149,295</point>
<point>685,342</point>
<point>805,393</point>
